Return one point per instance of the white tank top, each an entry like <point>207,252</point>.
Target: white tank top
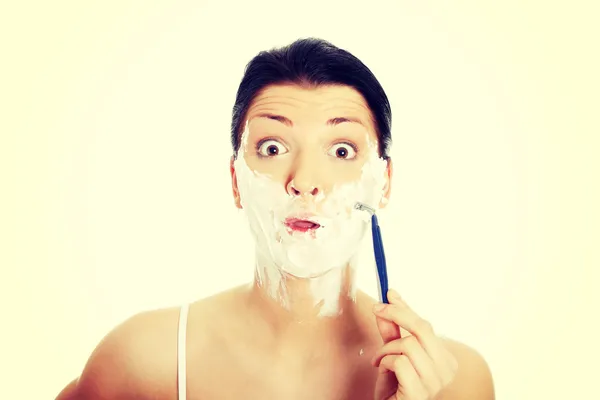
<point>181,346</point>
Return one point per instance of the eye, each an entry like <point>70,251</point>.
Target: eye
<point>270,148</point>
<point>344,151</point>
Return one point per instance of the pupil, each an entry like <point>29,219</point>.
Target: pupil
<point>272,150</point>
<point>341,152</point>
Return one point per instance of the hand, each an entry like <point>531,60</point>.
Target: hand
<point>415,367</point>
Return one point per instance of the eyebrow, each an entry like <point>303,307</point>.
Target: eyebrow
<point>331,122</point>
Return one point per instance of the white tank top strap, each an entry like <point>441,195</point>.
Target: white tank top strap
<point>181,353</point>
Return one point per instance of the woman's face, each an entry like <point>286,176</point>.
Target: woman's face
<point>306,157</point>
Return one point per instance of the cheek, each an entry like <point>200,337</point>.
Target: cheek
<point>364,181</point>
<point>276,169</point>
<point>342,172</point>
<point>258,191</point>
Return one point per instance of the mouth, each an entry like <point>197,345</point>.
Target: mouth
<point>301,225</point>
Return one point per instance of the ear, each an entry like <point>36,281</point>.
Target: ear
<point>387,189</point>
<point>234,184</point>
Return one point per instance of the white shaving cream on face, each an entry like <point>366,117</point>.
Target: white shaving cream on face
<point>319,255</point>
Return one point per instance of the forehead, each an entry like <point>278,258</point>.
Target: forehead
<point>308,105</point>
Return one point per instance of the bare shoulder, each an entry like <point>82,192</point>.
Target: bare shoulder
<point>138,358</point>
<point>473,378</point>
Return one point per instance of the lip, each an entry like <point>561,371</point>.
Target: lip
<point>302,224</point>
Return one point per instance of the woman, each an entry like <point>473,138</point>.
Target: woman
<point>311,135</point>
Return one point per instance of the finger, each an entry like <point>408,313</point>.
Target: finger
<point>408,346</point>
<point>421,361</point>
<point>407,318</point>
<point>388,330</point>
<point>403,316</point>
<point>412,319</point>
<point>409,382</point>
<point>386,385</point>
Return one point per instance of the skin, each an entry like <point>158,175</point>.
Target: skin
<point>243,344</point>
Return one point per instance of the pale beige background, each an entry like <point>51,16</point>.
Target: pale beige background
<point>114,159</point>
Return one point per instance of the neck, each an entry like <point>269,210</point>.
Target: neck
<point>320,308</point>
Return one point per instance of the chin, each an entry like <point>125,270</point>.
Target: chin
<point>300,273</point>
<point>307,267</point>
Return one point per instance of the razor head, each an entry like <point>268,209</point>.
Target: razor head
<point>363,207</point>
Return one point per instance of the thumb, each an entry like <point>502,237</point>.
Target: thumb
<point>388,330</point>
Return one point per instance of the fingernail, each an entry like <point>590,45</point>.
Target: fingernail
<point>395,295</point>
<point>378,307</point>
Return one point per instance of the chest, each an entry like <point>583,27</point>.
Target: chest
<point>251,379</point>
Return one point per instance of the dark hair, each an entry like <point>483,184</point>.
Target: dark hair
<point>312,62</point>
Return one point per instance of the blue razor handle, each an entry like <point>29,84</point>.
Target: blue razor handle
<point>379,258</point>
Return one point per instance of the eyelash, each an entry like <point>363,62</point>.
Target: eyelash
<point>354,147</point>
<point>263,141</point>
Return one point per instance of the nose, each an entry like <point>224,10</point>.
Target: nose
<point>297,188</point>
<point>303,181</point>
